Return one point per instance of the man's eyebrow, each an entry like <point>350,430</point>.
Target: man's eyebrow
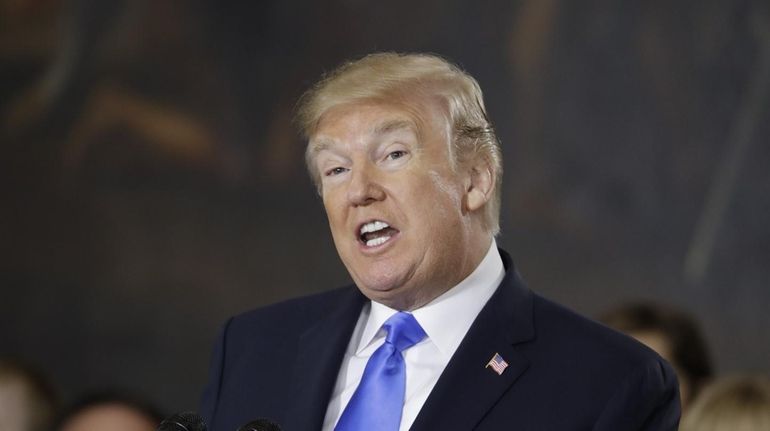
<point>320,145</point>
<point>393,125</point>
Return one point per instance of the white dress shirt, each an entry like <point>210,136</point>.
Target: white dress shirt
<point>445,320</point>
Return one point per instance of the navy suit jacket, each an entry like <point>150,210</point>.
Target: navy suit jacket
<point>565,372</point>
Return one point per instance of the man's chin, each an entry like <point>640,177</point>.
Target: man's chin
<point>384,294</point>
<point>397,297</point>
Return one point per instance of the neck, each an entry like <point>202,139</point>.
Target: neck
<point>476,251</point>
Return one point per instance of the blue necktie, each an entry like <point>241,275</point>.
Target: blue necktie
<point>378,401</point>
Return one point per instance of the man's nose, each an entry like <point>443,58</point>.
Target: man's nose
<point>364,188</point>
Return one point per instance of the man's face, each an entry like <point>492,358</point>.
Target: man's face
<point>396,207</point>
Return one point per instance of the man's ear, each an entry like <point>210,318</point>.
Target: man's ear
<point>481,183</point>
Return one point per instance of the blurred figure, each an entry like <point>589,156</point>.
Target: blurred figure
<point>731,404</point>
<point>674,335</point>
<point>111,411</point>
<point>27,401</point>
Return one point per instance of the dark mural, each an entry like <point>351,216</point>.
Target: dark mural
<point>153,184</point>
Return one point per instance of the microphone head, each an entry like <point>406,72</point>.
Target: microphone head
<point>183,421</point>
<point>260,425</point>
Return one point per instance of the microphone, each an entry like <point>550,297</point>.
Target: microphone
<point>260,425</point>
<point>183,421</point>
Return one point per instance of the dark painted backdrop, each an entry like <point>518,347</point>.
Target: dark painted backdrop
<point>152,184</point>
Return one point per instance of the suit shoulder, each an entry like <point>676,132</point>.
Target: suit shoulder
<point>606,380</point>
<point>595,341</point>
<point>300,310</point>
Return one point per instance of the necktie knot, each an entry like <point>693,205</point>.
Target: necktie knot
<point>403,331</point>
<point>377,403</point>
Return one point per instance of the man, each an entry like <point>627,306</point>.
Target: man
<point>439,332</point>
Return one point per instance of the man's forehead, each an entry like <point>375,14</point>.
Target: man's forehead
<point>395,124</point>
<point>384,119</point>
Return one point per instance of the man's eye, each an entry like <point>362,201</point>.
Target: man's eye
<point>393,155</point>
<point>335,171</point>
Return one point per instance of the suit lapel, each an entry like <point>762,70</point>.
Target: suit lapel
<point>319,355</point>
<point>467,389</point>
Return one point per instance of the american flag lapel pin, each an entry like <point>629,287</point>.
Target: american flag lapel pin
<point>497,363</point>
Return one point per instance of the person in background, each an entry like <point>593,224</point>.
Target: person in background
<point>738,403</point>
<point>110,411</point>
<point>674,335</point>
<point>27,400</point>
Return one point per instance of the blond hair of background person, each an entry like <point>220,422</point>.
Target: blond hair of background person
<point>27,400</point>
<point>739,403</point>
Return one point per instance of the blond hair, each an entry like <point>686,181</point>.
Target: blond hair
<point>739,403</point>
<point>35,392</point>
<point>393,78</point>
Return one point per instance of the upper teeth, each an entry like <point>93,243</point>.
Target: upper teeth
<point>373,226</point>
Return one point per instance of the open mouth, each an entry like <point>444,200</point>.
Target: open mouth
<point>376,233</point>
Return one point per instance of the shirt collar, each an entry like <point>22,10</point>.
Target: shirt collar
<point>447,318</point>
